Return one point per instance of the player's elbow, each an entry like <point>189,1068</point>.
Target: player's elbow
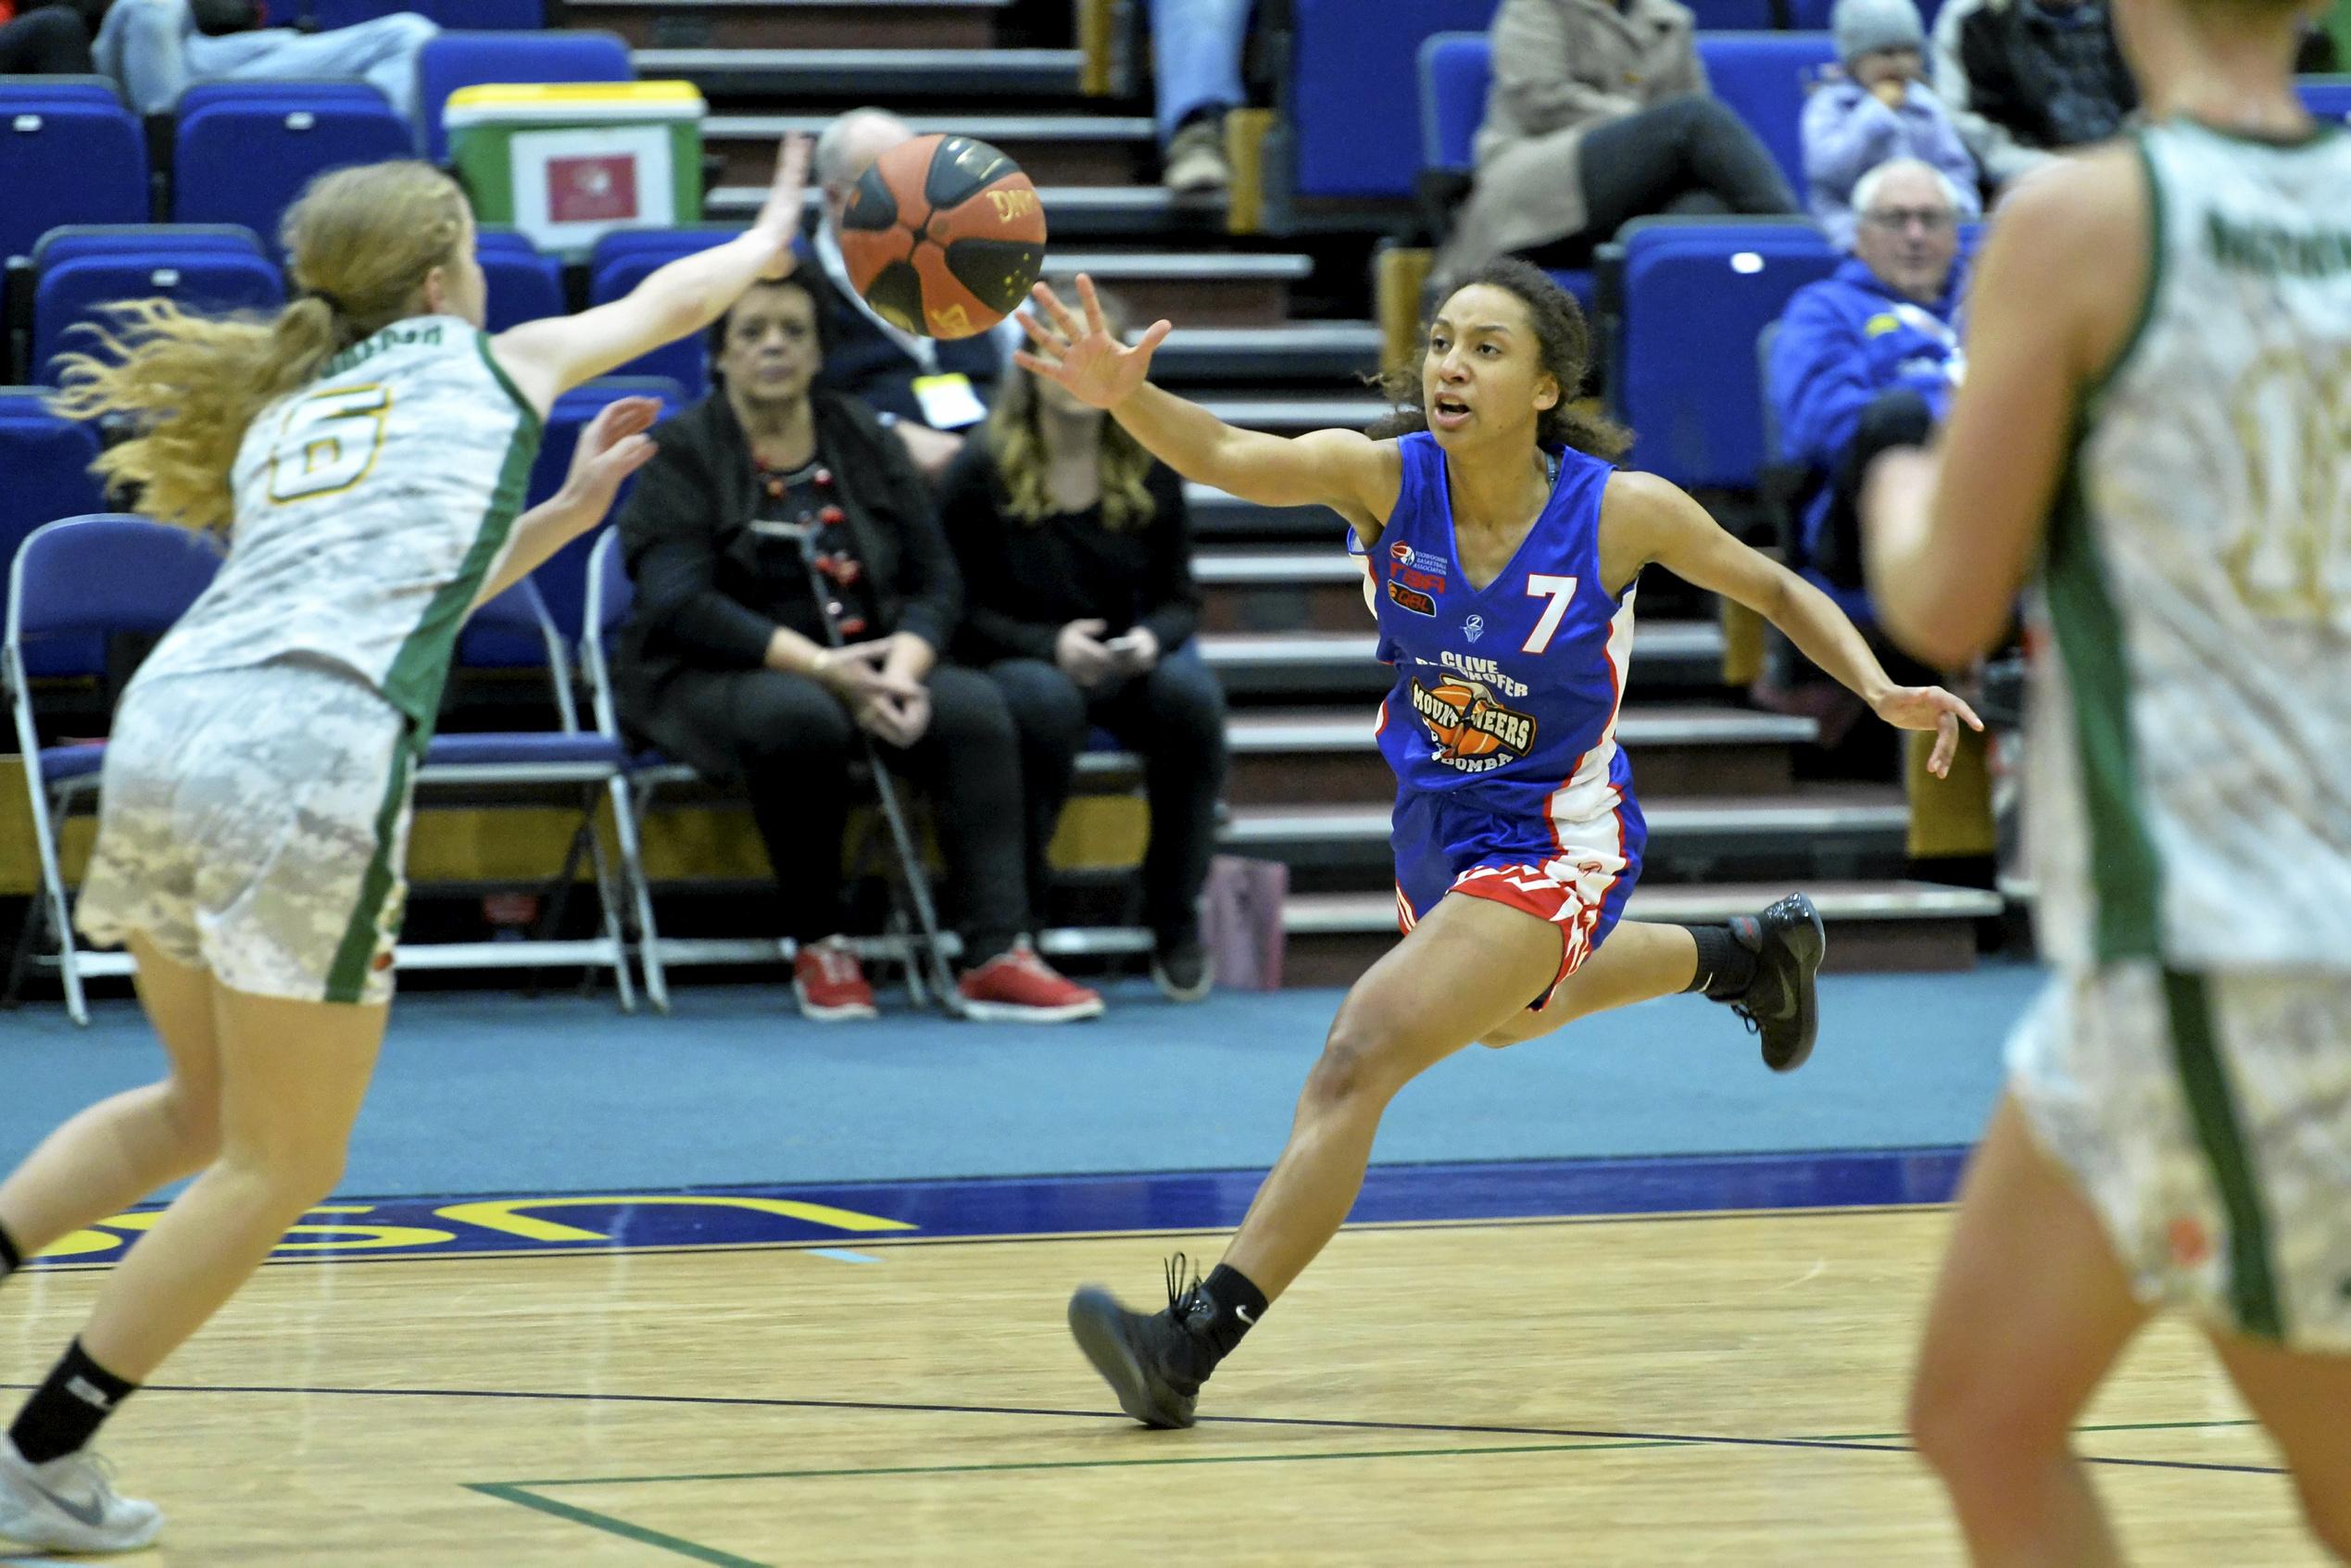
<point>1943,631</point>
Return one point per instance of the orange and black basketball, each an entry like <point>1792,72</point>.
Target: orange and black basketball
<point>943,236</point>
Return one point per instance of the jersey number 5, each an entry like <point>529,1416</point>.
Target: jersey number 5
<point>328,442</point>
<point>1558,590</point>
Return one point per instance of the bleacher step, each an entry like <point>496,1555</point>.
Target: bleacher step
<point>1328,664</point>
<point>1335,351</point>
<point>849,76</point>
<point>777,24</point>
<point>1295,758</point>
<point>1080,150</point>
<point>1893,925</point>
<point>1134,212</point>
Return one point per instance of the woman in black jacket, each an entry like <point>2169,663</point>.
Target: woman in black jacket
<point>1076,557</point>
<point>725,663</point>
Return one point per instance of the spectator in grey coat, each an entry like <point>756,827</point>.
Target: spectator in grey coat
<point>1880,110</point>
<point>156,49</point>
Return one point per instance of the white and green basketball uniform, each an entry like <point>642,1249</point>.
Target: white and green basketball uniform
<point>254,807</point>
<point>2190,753</point>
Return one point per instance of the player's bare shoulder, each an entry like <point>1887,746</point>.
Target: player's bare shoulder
<point>1360,477</point>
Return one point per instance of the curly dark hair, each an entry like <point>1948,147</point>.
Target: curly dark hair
<point>1565,346</point>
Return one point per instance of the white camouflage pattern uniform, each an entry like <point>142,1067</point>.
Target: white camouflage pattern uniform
<point>255,806</point>
<point>2189,800</point>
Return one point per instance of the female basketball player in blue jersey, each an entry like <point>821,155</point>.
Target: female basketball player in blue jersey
<point>1505,544</point>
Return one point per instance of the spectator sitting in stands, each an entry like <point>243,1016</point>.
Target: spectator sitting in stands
<point>1598,114</point>
<point>725,661</point>
<point>1076,557</point>
<point>51,39</point>
<point>1196,60</point>
<point>156,49</point>
<point>1867,358</point>
<point>2027,79</point>
<point>929,391</point>
<point>1882,111</point>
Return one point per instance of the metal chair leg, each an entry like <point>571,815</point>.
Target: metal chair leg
<point>623,982</point>
<point>626,811</point>
<point>53,885</point>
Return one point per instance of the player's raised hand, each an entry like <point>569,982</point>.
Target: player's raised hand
<point>613,447</point>
<point>1930,707</point>
<point>779,219</point>
<point>1085,356</point>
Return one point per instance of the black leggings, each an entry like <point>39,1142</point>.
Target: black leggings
<point>791,741</point>
<point>1174,717</point>
<point>1690,154</point>
<point>50,41</point>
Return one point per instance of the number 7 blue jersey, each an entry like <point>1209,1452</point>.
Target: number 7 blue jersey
<point>1505,700</point>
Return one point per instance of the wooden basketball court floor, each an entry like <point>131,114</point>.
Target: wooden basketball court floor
<point>1714,1387</point>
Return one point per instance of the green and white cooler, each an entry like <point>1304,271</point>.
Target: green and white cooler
<point>565,163</point>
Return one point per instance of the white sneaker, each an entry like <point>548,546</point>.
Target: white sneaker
<point>69,1504</point>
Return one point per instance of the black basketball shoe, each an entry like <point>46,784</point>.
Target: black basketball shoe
<point>1781,1005</point>
<point>1153,1362</point>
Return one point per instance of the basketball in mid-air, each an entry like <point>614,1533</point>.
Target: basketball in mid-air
<point>943,236</point>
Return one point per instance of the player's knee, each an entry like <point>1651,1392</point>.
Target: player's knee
<point>1358,1061</point>
<point>1973,1424</point>
<point>192,1112</point>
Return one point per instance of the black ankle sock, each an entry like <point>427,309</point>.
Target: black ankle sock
<point>1726,965</point>
<point>1233,1307</point>
<point>64,1412</point>
<point>11,1260</point>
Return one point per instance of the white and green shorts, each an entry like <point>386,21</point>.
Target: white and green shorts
<point>253,822</point>
<point>2208,1119</point>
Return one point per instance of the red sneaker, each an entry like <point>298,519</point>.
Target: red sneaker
<point>1019,987</point>
<point>830,984</point>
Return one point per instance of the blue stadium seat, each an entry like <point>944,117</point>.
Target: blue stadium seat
<point>626,257</point>
<point>1764,77</point>
<point>525,285</point>
<point>1693,295</point>
<point>99,140</point>
<point>200,95</point>
<point>48,460</point>
<point>247,162</point>
<point>502,15</point>
<point>1456,71</point>
<point>467,59</point>
<point>1749,16</point>
<point>2327,97</point>
<point>563,579</point>
<point>1353,70</point>
<point>70,283</point>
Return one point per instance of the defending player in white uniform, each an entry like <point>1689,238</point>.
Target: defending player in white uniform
<point>366,453</point>
<point>2158,407</point>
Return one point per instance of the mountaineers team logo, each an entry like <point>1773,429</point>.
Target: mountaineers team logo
<point>1473,732</point>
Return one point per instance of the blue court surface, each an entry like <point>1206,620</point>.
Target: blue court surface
<point>780,1132</point>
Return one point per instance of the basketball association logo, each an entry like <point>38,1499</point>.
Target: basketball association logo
<point>1473,732</point>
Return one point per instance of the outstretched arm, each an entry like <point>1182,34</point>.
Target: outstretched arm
<point>1949,537</point>
<point>613,447</point>
<point>549,358</point>
<point>1645,519</point>
<point>1349,473</point>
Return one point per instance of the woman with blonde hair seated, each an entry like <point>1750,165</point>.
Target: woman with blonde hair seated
<point>1079,601</point>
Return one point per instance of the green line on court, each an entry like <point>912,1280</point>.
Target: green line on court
<point>611,1526</point>
<point>2108,1426</point>
<point>1457,1452</point>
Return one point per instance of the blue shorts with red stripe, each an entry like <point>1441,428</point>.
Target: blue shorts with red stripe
<point>1576,874</point>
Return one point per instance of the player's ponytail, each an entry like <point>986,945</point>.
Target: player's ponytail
<point>1564,342</point>
<point>361,241</point>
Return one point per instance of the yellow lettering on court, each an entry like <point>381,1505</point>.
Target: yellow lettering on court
<point>504,1214</point>
<point>350,1236</point>
<point>80,1243</point>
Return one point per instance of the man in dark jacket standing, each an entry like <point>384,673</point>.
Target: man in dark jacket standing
<point>1867,358</point>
